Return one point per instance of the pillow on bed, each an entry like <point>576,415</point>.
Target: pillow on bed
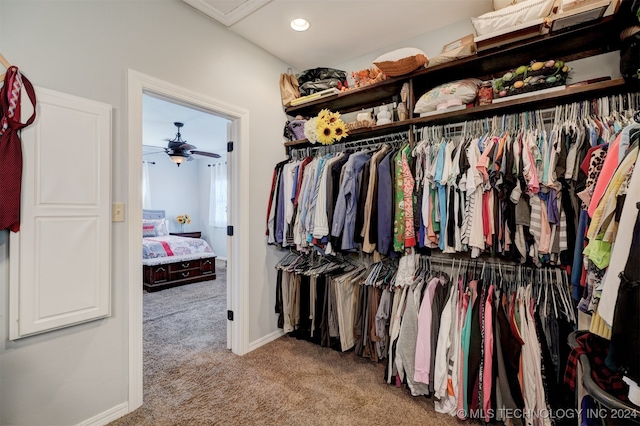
<point>161,226</point>
<point>148,230</point>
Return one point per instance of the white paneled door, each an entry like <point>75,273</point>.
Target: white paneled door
<point>60,261</point>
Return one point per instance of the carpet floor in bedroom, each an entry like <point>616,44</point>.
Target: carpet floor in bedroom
<point>190,378</point>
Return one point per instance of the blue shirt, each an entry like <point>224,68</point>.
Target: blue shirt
<point>385,208</point>
<point>344,215</point>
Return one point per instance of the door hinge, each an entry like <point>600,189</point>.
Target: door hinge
<point>229,146</point>
<point>230,315</point>
<point>230,231</point>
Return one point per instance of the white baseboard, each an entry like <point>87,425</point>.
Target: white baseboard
<point>266,339</point>
<point>107,416</point>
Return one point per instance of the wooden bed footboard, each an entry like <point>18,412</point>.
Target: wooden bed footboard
<point>159,277</point>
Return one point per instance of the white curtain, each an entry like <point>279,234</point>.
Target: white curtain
<point>146,187</point>
<point>218,196</point>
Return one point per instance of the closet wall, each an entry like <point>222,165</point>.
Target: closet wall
<point>85,48</point>
<point>431,44</point>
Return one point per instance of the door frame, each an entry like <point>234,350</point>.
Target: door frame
<point>238,268</point>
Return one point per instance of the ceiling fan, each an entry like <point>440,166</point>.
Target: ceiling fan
<point>180,151</point>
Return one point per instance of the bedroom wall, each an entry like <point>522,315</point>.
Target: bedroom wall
<point>175,190</point>
<point>68,376</point>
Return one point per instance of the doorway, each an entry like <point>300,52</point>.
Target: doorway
<point>189,187</point>
<point>139,86</point>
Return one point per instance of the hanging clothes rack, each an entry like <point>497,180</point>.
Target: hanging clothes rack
<point>600,107</point>
<point>369,143</point>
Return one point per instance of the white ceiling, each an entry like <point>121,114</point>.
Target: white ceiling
<point>340,30</point>
<point>206,131</point>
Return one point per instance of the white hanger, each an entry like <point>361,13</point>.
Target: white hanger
<point>4,63</point>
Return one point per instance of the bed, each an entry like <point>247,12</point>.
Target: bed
<point>171,260</point>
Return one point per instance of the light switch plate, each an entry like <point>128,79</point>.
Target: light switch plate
<point>117,212</point>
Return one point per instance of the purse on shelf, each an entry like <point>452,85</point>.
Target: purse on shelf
<point>288,87</point>
<point>294,129</point>
<point>319,79</point>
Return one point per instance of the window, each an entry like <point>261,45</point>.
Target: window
<point>146,187</point>
<point>218,196</point>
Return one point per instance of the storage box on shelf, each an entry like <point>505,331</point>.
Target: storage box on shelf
<point>597,37</point>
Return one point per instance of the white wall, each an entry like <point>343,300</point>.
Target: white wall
<point>186,189</point>
<point>85,48</point>
<point>432,42</point>
<point>175,190</point>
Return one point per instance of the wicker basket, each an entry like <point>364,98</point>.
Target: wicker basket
<point>402,66</point>
<point>359,124</point>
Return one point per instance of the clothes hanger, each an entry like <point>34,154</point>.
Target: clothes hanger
<point>5,64</point>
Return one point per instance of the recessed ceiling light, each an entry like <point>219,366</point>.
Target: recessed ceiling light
<point>300,24</point>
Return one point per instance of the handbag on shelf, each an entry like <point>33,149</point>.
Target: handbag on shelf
<point>319,79</point>
<point>288,87</point>
<point>294,129</point>
<point>630,54</point>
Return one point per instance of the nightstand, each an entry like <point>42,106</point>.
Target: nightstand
<point>195,234</point>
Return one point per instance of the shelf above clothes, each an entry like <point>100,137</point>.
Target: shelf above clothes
<point>570,44</point>
<point>535,101</point>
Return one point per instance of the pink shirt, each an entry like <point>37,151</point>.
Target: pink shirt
<point>423,342</point>
<point>488,355</point>
<point>608,169</point>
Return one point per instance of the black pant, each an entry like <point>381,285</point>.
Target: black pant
<point>625,334</point>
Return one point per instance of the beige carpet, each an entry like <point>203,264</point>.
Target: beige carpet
<point>191,379</point>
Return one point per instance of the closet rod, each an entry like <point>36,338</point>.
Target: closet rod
<point>548,115</point>
<point>479,262</point>
<point>373,143</point>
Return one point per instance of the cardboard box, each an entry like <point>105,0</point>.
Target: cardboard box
<point>458,49</point>
<point>459,44</point>
<point>510,35</point>
<point>578,12</point>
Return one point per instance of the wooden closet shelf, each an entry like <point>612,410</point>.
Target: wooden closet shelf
<point>529,103</point>
<point>362,133</point>
<point>540,101</point>
<point>567,45</point>
<point>591,39</point>
<point>353,99</point>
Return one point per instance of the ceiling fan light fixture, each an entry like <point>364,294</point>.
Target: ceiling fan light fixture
<point>300,24</point>
<point>180,151</point>
<point>179,157</point>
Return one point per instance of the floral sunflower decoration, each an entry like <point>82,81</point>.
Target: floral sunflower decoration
<point>326,128</point>
<point>183,219</point>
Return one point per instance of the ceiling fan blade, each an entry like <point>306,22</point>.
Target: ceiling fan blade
<point>206,154</point>
<point>153,153</point>
<point>159,148</point>
<point>190,158</point>
<point>187,147</point>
